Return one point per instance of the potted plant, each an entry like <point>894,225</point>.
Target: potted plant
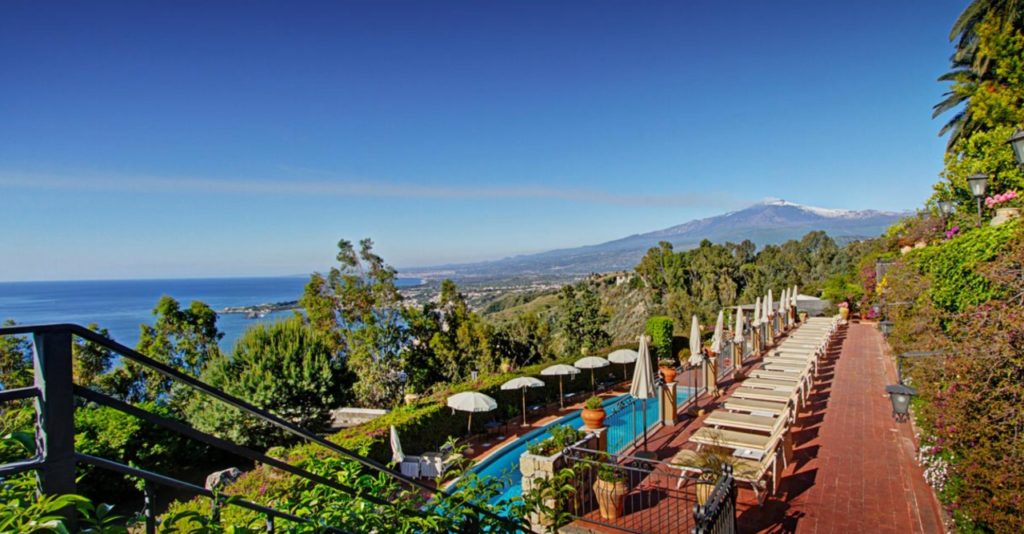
<point>610,488</point>
<point>1007,206</point>
<point>712,461</point>
<point>593,413</point>
<point>668,369</point>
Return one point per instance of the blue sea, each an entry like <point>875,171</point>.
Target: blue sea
<point>121,306</point>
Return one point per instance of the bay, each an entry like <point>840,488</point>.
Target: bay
<point>122,305</point>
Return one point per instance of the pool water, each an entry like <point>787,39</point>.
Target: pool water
<point>504,465</point>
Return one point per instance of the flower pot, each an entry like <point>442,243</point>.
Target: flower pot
<point>610,497</point>
<point>669,373</point>
<point>1004,215</point>
<point>593,418</point>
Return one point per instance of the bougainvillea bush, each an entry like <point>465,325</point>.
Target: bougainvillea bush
<point>966,299</point>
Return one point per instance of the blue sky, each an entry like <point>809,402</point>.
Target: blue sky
<point>170,139</point>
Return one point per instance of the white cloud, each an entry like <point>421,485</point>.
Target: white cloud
<point>349,188</point>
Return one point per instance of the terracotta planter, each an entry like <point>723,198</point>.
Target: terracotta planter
<point>610,497</point>
<point>669,373</point>
<point>593,418</point>
<point>1004,215</point>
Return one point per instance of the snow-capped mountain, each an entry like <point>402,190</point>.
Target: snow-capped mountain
<point>769,222</point>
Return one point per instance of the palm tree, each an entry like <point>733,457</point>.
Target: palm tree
<point>970,68</point>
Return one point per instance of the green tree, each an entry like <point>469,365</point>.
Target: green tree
<point>373,331</point>
<point>15,360</point>
<point>581,319</point>
<point>91,360</point>
<point>287,368</point>
<point>461,343</point>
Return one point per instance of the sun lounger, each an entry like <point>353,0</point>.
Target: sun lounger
<point>745,470</point>
<point>756,407</point>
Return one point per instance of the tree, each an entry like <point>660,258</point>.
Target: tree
<point>461,342</point>
<point>581,319</point>
<point>15,361</point>
<point>373,331</point>
<point>320,308</point>
<point>287,368</point>
<point>91,360</point>
<point>185,339</point>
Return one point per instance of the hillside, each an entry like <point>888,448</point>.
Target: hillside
<point>770,222</point>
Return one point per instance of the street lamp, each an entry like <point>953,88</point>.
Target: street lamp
<point>977,183</point>
<point>885,327</point>
<point>946,208</point>
<point>1017,142</point>
<point>899,395</point>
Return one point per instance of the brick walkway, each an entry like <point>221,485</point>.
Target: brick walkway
<point>854,468</point>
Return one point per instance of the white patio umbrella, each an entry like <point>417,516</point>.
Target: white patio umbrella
<point>719,338</point>
<point>521,384</point>
<point>560,370</point>
<point>623,356</point>
<point>472,402</point>
<point>757,313</point>
<point>592,362</point>
<point>397,455</point>
<point>696,357</point>
<point>738,337</point>
<point>643,381</point>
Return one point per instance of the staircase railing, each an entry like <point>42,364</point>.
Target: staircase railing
<point>56,458</point>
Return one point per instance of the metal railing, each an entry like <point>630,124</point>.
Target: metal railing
<point>718,514</point>
<point>632,494</point>
<point>56,458</point>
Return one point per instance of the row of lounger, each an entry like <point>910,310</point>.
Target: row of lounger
<point>753,422</point>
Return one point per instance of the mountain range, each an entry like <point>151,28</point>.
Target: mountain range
<point>769,222</point>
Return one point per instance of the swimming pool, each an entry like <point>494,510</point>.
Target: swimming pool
<point>504,464</point>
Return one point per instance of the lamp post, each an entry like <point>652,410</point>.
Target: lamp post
<point>977,183</point>
<point>885,327</point>
<point>1016,141</point>
<point>945,208</point>
<point>899,395</point>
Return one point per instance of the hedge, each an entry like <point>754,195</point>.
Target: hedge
<point>660,328</point>
<point>951,266</point>
<point>422,426</point>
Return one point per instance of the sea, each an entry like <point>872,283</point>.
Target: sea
<point>121,306</point>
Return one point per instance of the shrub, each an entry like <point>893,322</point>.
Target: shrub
<point>660,329</point>
<point>286,368</point>
<point>594,403</point>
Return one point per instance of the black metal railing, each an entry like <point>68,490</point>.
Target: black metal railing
<point>633,494</point>
<point>56,459</point>
<point>718,514</point>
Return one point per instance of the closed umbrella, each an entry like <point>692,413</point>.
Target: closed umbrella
<point>592,362</point>
<point>757,313</point>
<point>771,314</point>
<point>623,356</point>
<point>738,337</point>
<point>471,402</point>
<point>695,353</point>
<point>717,344</point>
<point>643,381</point>
<point>397,455</point>
<point>560,370</point>
<point>521,384</point>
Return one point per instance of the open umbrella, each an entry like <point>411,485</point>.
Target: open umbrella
<point>397,455</point>
<point>592,362</point>
<point>623,356</point>
<point>643,381</point>
<point>560,370</point>
<point>472,402</point>
<point>521,384</point>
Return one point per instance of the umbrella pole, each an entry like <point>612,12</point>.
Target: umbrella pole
<point>645,423</point>
<point>469,425</point>
<point>593,384</point>
<point>561,396</point>
<point>524,406</point>
<point>624,377</point>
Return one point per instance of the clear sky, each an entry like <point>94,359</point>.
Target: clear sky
<point>170,139</point>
